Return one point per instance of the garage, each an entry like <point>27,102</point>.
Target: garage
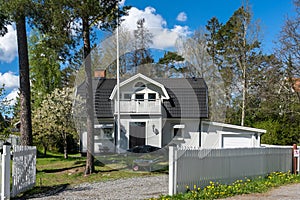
<point>220,135</point>
<point>234,141</point>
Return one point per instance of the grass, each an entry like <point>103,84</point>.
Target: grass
<point>247,186</point>
<point>55,173</point>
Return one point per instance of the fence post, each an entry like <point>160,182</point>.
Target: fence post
<point>5,182</point>
<point>172,171</point>
<point>295,158</point>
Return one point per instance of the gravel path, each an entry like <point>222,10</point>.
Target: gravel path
<point>153,186</point>
<point>131,189</point>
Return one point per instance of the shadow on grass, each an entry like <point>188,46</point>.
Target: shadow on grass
<point>60,169</point>
<point>42,191</point>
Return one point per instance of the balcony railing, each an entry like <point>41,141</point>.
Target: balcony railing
<point>139,107</point>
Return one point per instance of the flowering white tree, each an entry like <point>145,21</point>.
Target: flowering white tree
<point>53,120</point>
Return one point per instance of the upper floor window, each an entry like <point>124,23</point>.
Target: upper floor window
<point>127,96</point>
<point>139,97</point>
<point>151,96</point>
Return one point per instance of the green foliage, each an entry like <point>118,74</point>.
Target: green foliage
<point>3,22</point>
<point>274,130</point>
<point>5,109</point>
<point>45,71</point>
<point>234,48</point>
<point>217,190</point>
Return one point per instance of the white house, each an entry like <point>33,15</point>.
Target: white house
<point>159,112</point>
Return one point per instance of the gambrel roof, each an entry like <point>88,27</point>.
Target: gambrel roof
<point>188,97</point>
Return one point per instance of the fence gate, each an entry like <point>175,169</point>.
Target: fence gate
<point>24,169</point>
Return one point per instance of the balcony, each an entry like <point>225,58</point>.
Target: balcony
<point>139,107</point>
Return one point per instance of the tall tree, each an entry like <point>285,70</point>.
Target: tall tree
<point>80,18</point>
<point>238,48</point>
<point>172,63</point>
<point>17,12</point>
<point>289,39</point>
<point>142,41</point>
<point>45,71</point>
<point>91,13</point>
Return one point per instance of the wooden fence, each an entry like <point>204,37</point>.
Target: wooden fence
<point>23,170</point>
<point>189,167</point>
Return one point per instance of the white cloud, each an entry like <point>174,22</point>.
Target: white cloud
<point>163,37</point>
<point>12,96</point>
<point>8,45</point>
<point>121,3</point>
<point>9,79</point>
<point>182,17</point>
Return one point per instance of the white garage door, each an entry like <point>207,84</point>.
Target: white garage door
<point>231,141</point>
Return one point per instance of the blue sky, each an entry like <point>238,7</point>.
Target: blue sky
<point>169,18</point>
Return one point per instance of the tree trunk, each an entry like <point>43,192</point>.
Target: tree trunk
<point>89,168</point>
<point>45,150</point>
<point>66,149</point>
<point>25,107</point>
<point>244,97</point>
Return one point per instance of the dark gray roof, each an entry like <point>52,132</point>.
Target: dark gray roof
<point>188,97</point>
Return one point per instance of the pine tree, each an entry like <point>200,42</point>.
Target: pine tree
<point>18,11</point>
<point>142,41</point>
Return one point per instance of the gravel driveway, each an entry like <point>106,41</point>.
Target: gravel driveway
<point>132,188</point>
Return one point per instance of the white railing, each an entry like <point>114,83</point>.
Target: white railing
<point>23,170</point>
<point>189,167</point>
<point>135,106</point>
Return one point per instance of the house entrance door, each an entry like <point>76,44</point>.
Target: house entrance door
<point>137,134</point>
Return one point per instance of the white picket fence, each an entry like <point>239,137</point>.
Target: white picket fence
<point>23,170</point>
<point>189,167</point>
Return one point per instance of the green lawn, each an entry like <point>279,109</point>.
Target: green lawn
<point>53,171</point>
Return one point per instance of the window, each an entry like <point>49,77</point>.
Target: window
<point>139,97</point>
<point>127,96</point>
<point>178,132</point>
<point>108,133</point>
<point>151,96</point>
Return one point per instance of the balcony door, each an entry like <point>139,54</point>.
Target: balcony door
<point>137,134</point>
